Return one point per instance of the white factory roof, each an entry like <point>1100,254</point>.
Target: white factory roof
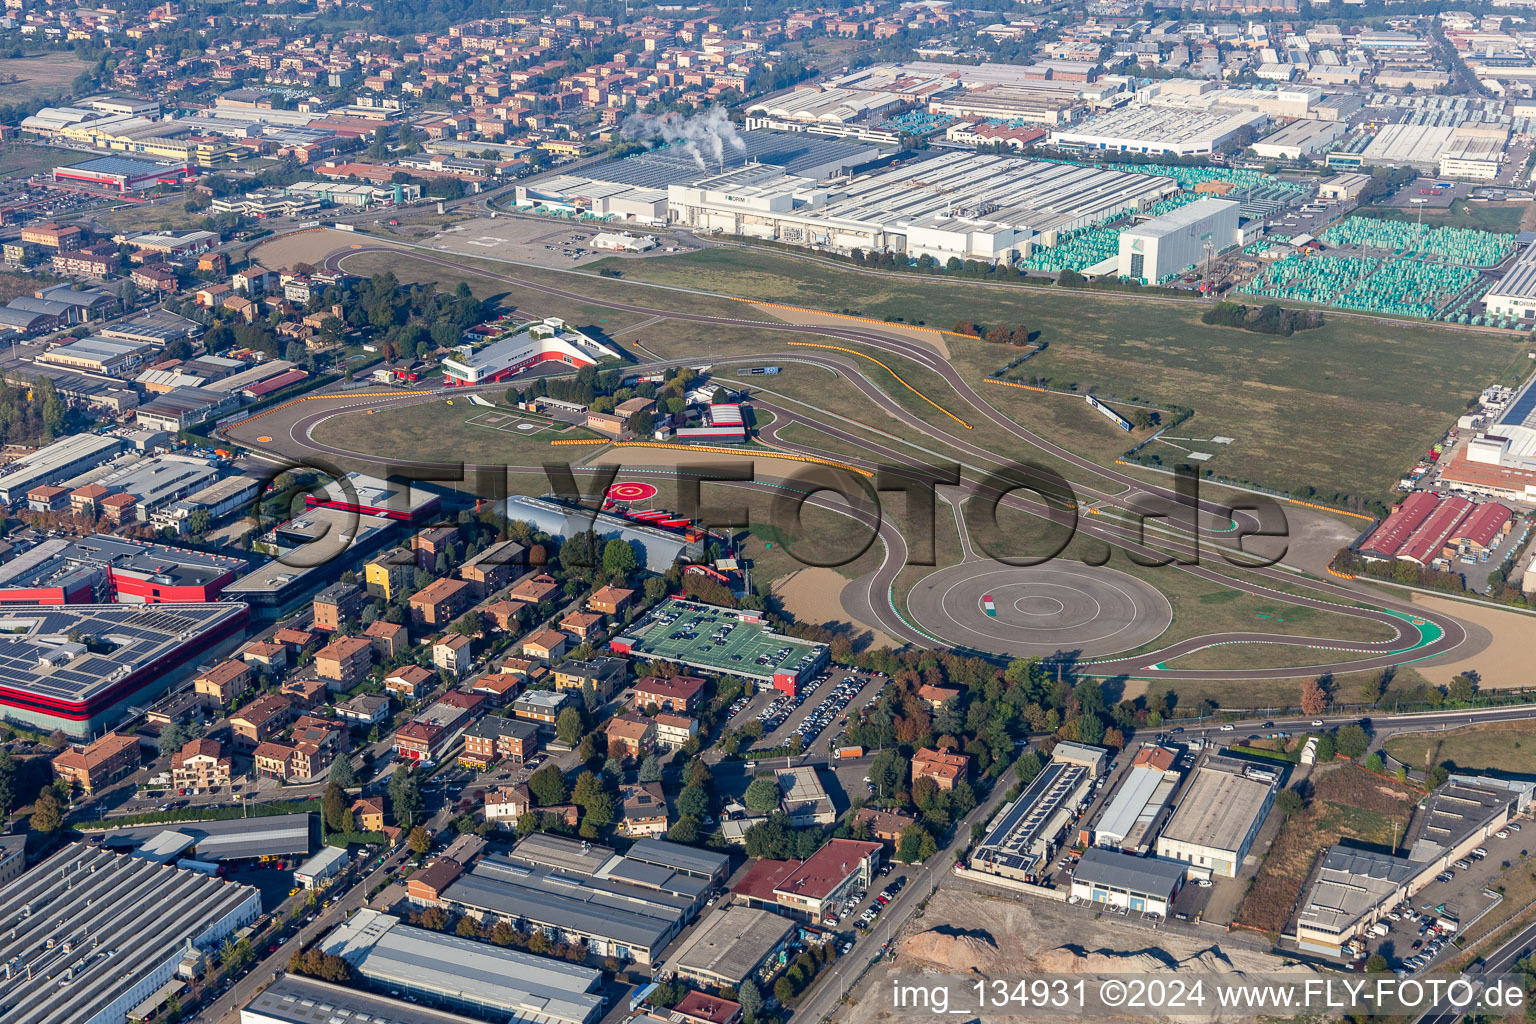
<point>1182,219</point>
<point>532,989</point>
<point>827,106</point>
<point>1408,143</point>
<point>1159,127</point>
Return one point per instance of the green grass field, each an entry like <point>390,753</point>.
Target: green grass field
<point>1505,747</point>
<point>42,76</point>
<point>1282,400</point>
<point>20,160</point>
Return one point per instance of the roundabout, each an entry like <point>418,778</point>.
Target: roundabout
<point>1039,610</point>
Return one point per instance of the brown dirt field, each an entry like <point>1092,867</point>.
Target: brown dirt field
<point>1347,803</point>
<point>1505,662</point>
<point>765,468</point>
<point>814,595</point>
<point>932,339</point>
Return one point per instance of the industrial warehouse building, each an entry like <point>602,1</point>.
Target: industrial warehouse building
<point>269,837</point>
<point>55,462</point>
<point>1159,131</point>
<point>463,974</point>
<point>1352,888</point>
<point>729,945</point>
<point>960,205</point>
<point>1145,885</point>
<point>81,950</point>
<point>1306,137</point>
<point>1219,816</point>
<point>1024,836</point>
<point>1130,821</point>
<point>295,999</point>
<point>122,174</point>
<point>1180,239</point>
<point>50,682</point>
<point>1514,294</point>
<point>635,188</point>
<point>576,892</point>
<point>103,569</point>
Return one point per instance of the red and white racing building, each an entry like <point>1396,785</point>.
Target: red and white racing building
<point>494,351</point>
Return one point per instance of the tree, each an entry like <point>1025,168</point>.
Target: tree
<point>650,769</point>
<point>1463,688</point>
<point>751,1000</point>
<point>1376,964</point>
<point>1351,741</point>
<point>568,726</point>
<point>405,797</point>
<point>334,808</point>
<point>1374,763</point>
<point>619,558</point>
<point>47,814</point>
<point>784,989</point>
<point>419,841</point>
<point>1314,698</point>
<point>7,782</point>
<point>888,772</point>
<point>547,786</point>
<point>1027,767</point>
<point>1325,749</point>
<point>1288,802</point>
<point>341,772</point>
<point>172,738</point>
<point>762,796</point>
<point>1437,776</point>
<point>685,830</point>
<point>693,802</point>
<point>915,845</point>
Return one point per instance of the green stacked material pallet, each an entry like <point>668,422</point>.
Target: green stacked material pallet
<point>1316,279</point>
<point>1407,288</point>
<point>1267,242</point>
<point>1462,246</point>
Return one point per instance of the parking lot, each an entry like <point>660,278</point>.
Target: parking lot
<point>1419,932</point>
<point>820,711</point>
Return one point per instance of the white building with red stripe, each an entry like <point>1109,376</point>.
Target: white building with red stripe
<point>495,351</point>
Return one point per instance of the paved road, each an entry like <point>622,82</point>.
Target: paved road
<point>1424,634</point>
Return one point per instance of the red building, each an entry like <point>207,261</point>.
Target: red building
<point>103,570</point>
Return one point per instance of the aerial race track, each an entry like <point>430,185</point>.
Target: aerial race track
<point>1082,616</point>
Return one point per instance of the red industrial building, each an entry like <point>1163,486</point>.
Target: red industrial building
<point>370,496</point>
<point>122,174</point>
<point>112,570</point>
<point>1388,538</point>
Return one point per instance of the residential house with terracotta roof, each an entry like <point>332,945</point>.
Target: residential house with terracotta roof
<point>884,826</point>
<point>201,764</point>
<point>681,694</point>
<point>945,768</point>
<point>306,692</point>
<point>259,721</point>
<point>430,543</point>
<point>454,654</point>
<point>673,731</point>
<point>219,686</point>
<point>535,589</point>
<point>364,709</point>
<point>631,736</point>
<point>546,644</point>
<point>389,639</point>
<point>99,763</point>
<point>437,604</point>
<point>410,682</point>
<point>344,662</point>
<point>266,654</point>
<point>610,600</point>
<point>507,803</point>
<point>497,687</point>
<point>582,625</point>
<point>699,1008</point>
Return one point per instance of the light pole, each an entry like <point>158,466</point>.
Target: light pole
<point>1210,289</point>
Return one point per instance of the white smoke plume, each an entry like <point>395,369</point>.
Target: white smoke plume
<point>703,136</point>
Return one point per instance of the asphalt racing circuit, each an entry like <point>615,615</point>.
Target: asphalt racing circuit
<point>1084,615</point>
